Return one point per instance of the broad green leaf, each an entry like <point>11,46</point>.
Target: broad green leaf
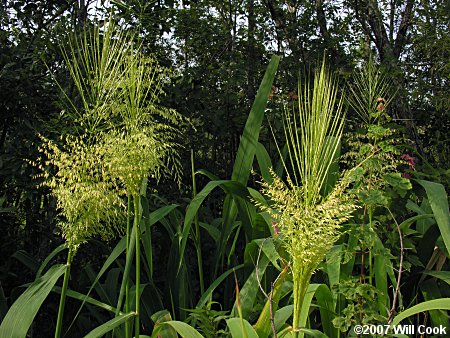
<point>110,325</point>
<point>282,315</point>
<point>404,226</point>
<point>324,300</point>
<point>438,200</point>
<point>422,225</point>
<point>245,155</point>
<point>247,146</point>
<point>240,328</point>
<point>435,304</point>
<point>442,275</point>
<point>264,162</point>
<point>327,305</point>
<point>333,261</point>
<point>21,314</point>
<point>267,246</point>
<point>183,329</point>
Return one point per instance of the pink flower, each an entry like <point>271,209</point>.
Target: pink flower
<point>276,229</point>
<point>411,160</point>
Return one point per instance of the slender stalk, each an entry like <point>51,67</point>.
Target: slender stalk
<point>138,263</point>
<point>198,246</point>
<point>300,286</point>
<point>127,284</point>
<point>370,249</point>
<point>62,300</point>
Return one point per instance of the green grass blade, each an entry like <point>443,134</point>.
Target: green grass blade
<point>49,258</point>
<point>245,155</point>
<point>117,251</point>
<point>442,275</point>
<point>128,264</point>
<point>327,305</point>
<point>239,331</point>
<point>230,187</point>
<point>325,301</point>
<point>333,262</point>
<point>381,266</point>
<point>438,200</point>
<point>208,293</point>
<point>435,304</point>
<point>313,333</point>
<point>87,299</point>
<point>211,230</point>
<point>264,162</point>
<point>247,146</point>
<point>282,315</point>
<point>110,325</point>
<point>21,314</point>
<point>26,259</point>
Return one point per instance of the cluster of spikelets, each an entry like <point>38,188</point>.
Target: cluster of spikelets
<point>89,203</point>
<point>123,134</point>
<point>308,230</point>
<point>131,157</point>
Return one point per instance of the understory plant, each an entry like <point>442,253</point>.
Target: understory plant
<point>308,208</point>
<point>377,183</point>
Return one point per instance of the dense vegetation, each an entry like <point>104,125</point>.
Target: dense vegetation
<point>223,168</point>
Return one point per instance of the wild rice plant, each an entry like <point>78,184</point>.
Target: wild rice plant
<point>309,220</point>
<point>122,137</point>
<point>142,143</point>
<point>89,204</point>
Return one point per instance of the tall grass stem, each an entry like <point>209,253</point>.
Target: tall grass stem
<point>127,283</point>
<point>138,263</point>
<point>198,246</point>
<point>62,300</point>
